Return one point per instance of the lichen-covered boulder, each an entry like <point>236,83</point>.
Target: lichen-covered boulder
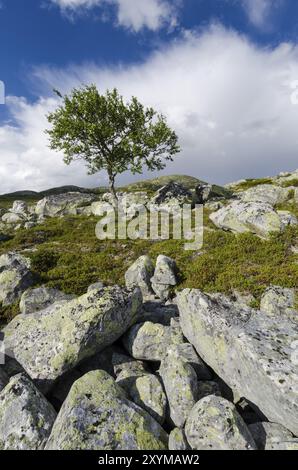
<point>12,219</point>
<point>266,434</point>
<point>255,217</point>
<point>26,417</point>
<point>178,441</point>
<point>62,204</point>
<point>147,341</point>
<point>15,277</point>
<point>256,355</point>
<point>181,385</point>
<point>139,275</point>
<point>279,301</point>
<point>3,378</point>
<point>172,191</point>
<point>146,391</point>
<point>98,416</point>
<point>164,276</point>
<point>215,424</point>
<point>267,193</point>
<point>34,300</point>
<point>49,344</point>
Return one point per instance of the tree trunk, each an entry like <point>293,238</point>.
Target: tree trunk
<point>113,190</point>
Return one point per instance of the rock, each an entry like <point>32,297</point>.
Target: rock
<point>181,385</point>
<point>287,219</point>
<point>97,416</point>
<point>100,208</point>
<point>238,343</point>
<point>284,445</point>
<point>215,424</point>
<point>164,276</point>
<point>96,286</point>
<point>41,298</point>
<point>26,417</point>
<point>139,274</point>
<point>265,434</point>
<point>171,191</point>
<point>213,205</point>
<point>62,204</point>
<point>125,366</point>
<point>206,388</point>
<point>3,379</point>
<point>205,192</point>
<point>157,312</point>
<point>266,193</point>
<point>279,301</point>
<point>20,207</point>
<point>187,354</point>
<point>146,391</point>
<point>12,219</point>
<point>296,195</point>
<point>256,217</point>
<point>49,344</point>
<point>15,277</point>
<point>178,441</point>
<point>147,341</point>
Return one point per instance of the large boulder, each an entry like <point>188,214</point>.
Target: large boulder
<point>62,204</point>
<point>266,193</point>
<point>181,385</point>
<point>26,417</point>
<point>266,434</point>
<point>207,192</point>
<point>279,301</point>
<point>15,277</point>
<point>257,356</point>
<point>98,416</point>
<point>164,276</point>
<point>255,217</point>
<point>34,300</point>
<point>48,344</point>
<point>139,275</point>
<point>215,424</point>
<point>172,192</point>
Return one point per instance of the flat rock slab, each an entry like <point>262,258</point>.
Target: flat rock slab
<point>257,356</point>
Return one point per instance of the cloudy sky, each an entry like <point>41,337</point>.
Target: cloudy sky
<point>224,72</point>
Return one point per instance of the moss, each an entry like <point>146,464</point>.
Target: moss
<point>251,183</point>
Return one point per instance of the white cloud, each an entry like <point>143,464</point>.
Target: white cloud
<point>259,11</point>
<point>131,14</point>
<point>228,100</point>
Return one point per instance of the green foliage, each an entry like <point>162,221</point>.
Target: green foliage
<point>109,134</point>
<point>293,182</point>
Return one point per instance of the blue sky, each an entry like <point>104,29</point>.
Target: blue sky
<point>221,70</point>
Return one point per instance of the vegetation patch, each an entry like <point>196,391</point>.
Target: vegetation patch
<point>66,254</point>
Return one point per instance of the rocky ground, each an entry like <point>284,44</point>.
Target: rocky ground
<point>157,363</point>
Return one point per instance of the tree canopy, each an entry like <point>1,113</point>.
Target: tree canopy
<point>110,134</point>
